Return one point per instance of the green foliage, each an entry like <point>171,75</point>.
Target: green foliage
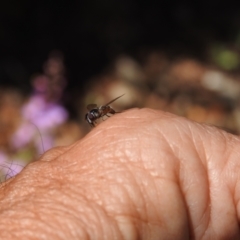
<point>225,58</point>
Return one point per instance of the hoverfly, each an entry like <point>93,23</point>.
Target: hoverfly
<point>96,112</point>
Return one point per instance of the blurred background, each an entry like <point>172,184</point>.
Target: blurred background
<point>56,57</point>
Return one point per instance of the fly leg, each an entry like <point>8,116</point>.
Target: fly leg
<point>93,124</point>
<point>111,111</point>
<point>105,118</point>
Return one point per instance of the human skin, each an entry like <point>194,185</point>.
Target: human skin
<point>141,174</point>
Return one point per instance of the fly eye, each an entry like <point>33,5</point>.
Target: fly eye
<point>90,116</point>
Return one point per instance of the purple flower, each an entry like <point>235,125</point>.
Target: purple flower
<point>43,114</point>
<point>44,142</point>
<point>41,83</point>
<point>23,135</point>
<point>40,117</point>
<point>52,116</point>
<point>34,108</point>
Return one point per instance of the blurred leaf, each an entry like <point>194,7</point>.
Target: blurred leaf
<point>25,154</point>
<point>225,58</point>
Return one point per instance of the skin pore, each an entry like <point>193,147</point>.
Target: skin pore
<point>142,174</point>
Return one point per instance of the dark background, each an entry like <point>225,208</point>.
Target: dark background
<point>178,56</point>
<point>91,34</point>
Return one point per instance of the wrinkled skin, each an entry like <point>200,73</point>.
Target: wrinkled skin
<point>141,174</point>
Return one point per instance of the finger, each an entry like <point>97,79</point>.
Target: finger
<point>184,162</point>
<point>53,153</point>
<point>141,174</point>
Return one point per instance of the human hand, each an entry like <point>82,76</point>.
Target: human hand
<point>141,174</point>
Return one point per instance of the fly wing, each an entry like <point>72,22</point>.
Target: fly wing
<point>113,100</point>
<point>91,106</point>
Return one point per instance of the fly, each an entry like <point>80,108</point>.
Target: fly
<point>96,112</point>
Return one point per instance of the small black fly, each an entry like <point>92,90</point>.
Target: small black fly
<point>96,112</point>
